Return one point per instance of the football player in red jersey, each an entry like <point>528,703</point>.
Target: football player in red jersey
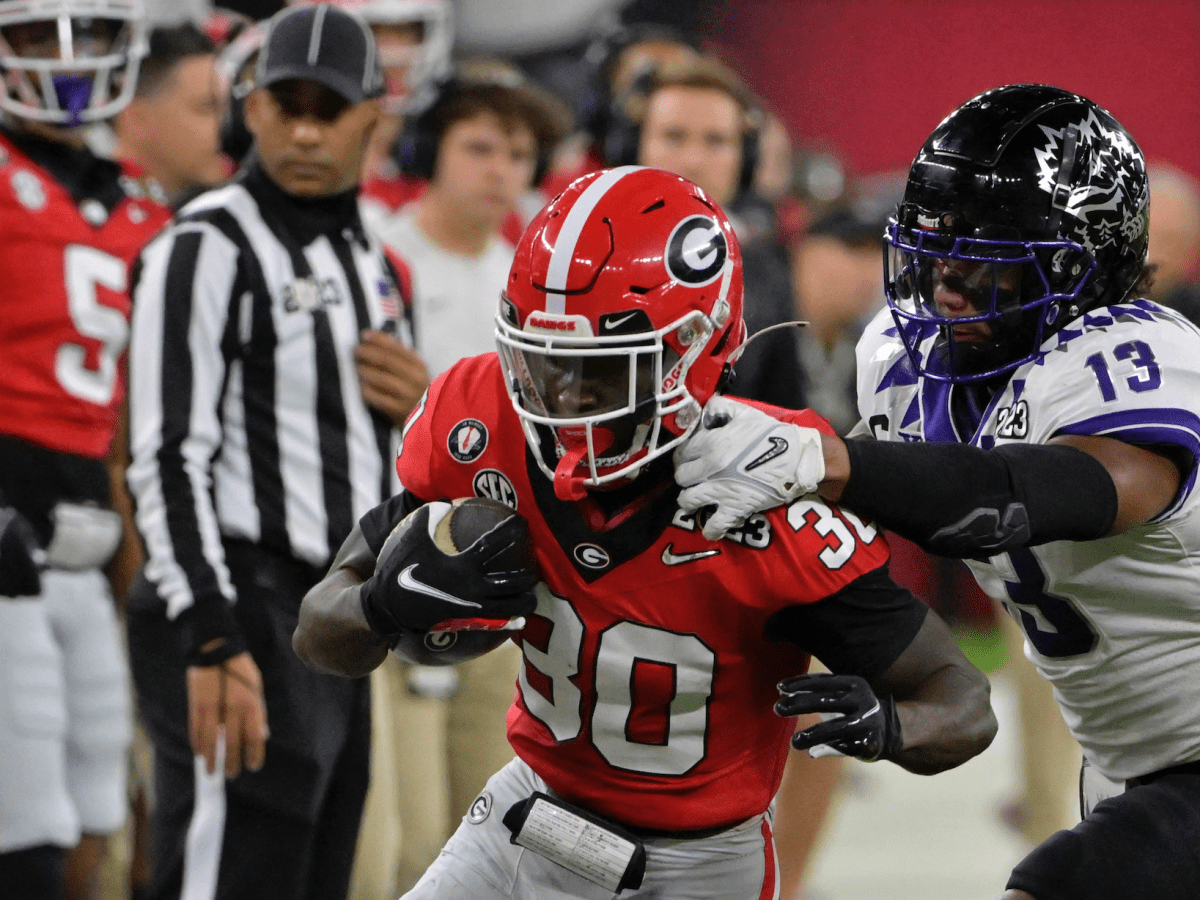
<point>72,223</point>
<point>649,725</point>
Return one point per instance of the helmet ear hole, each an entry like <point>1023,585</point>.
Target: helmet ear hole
<point>725,380</point>
<point>722,341</point>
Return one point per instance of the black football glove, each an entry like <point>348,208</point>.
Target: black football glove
<point>865,727</point>
<point>419,587</point>
<point>19,552</point>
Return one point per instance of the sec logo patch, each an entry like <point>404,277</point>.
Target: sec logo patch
<point>494,485</point>
<point>468,439</point>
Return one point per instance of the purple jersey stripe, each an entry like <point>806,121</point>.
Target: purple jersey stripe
<point>1169,427</point>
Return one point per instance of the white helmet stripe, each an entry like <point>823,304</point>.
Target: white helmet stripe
<point>564,248</point>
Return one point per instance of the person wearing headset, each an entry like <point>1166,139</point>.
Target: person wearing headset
<point>695,117</point>
<point>481,143</point>
<point>614,57</point>
<point>171,126</point>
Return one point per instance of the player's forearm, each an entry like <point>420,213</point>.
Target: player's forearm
<point>947,721</point>
<point>332,635</point>
<point>129,557</point>
<point>837,467</point>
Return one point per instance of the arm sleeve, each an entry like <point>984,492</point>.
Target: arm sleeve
<point>377,524</point>
<point>181,310</point>
<point>961,501</point>
<point>860,630</point>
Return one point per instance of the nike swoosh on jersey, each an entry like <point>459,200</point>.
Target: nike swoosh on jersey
<point>675,559</point>
<point>778,447</point>
<point>409,583</point>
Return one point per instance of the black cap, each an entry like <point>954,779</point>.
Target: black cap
<point>325,44</point>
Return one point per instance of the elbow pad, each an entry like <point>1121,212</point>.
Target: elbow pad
<point>963,502</point>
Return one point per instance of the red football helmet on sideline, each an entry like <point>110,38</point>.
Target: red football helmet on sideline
<point>70,62</point>
<point>623,306</point>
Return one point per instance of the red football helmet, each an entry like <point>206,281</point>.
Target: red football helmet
<point>70,62</point>
<point>623,306</point>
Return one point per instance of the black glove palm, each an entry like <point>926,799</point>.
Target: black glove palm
<point>866,727</point>
<point>417,585</point>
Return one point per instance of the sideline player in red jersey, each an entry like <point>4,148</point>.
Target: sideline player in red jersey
<point>70,225</point>
<point>649,728</point>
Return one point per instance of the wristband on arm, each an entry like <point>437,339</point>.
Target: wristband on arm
<point>208,632</point>
<point>964,502</point>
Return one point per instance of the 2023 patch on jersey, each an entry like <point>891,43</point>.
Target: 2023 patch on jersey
<point>1114,623</point>
<point>66,304</point>
<point>648,684</point>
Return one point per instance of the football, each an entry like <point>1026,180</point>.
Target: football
<point>467,519</point>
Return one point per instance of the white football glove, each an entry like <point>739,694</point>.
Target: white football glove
<point>742,461</point>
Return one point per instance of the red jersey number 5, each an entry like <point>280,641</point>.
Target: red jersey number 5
<point>86,270</point>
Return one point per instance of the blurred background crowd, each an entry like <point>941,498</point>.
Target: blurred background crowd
<point>800,117</point>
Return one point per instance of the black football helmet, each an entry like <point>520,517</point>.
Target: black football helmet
<point>1027,206</point>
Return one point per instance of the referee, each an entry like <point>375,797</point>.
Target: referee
<point>267,376</point>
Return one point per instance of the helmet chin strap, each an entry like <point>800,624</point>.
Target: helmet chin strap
<point>567,485</point>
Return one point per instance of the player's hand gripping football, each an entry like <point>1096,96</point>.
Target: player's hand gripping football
<point>742,461</point>
<point>862,725</point>
<point>417,586</point>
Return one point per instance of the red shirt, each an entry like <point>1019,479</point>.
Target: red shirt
<point>648,682</point>
<point>65,304</point>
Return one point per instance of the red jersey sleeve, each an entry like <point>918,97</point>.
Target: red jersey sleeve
<point>804,417</point>
<point>415,459</point>
<point>447,434</point>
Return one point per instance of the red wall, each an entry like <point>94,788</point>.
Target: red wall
<point>869,79</point>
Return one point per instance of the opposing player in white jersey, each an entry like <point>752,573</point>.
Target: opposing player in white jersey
<point>1033,415</point>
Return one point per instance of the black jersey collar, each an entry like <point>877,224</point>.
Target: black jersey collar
<point>305,218</point>
<point>596,552</point>
<point>83,174</point>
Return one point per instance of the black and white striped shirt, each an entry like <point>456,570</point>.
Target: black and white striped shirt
<point>246,415</point>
